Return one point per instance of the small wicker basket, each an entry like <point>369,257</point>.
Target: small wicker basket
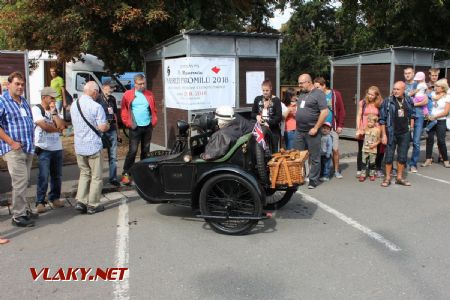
<point>287,168</point>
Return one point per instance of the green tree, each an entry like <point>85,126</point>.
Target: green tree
<point>119,32</point>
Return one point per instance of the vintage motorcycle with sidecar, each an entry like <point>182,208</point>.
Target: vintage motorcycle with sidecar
<point>231,193</point>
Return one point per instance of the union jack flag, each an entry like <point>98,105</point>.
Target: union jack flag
<point>259,135</point>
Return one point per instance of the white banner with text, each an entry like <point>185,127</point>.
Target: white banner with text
<point>199,82</point>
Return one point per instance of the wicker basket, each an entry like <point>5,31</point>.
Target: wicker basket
<point>287,168</point>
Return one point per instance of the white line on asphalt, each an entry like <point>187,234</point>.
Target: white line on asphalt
<point>372,234</point>
<point>432,178</point>
<point>121,288</point>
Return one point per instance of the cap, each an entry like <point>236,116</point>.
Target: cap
<point>419,76</point>
<point>326,124</point>
<point>49,91</point>
<point>225,113</point>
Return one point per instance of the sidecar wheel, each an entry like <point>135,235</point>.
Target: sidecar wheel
<point>229,195</point>
<point>277,199</point>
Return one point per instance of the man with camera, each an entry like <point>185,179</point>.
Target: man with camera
<point>108,102</point>
<point>48,148</point>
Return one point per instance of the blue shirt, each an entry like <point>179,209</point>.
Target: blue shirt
<point>141,109</point>
<point>86,141</point>
<point>329,98</point>
<point>17,122</point>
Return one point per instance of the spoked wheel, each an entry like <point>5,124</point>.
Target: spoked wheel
<point>277,199</point>
<point>232,202</point>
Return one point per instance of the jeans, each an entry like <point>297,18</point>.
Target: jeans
<point>401,142</point>
<point>59,106</point>
<point>112,154</point>
<point>303,141</point>
<point>439,129</point>
<point>50,164</point>
<point>142,135</point>
<point>418,127</point>
<point>325,166</point>
<point>289,137</point>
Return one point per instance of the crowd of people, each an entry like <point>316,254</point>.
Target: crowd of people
<point>27,131</point>
<point>311,119</point>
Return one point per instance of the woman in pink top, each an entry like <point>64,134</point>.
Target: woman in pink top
<point>369,105</point>
<point>290,101</point>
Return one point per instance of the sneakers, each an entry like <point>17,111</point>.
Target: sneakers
<point>379,174</point>
<point>372,178</point>
<point>57,203</point>
<point>362,178</point>
<point>413,169</point>
<point>426,163</point>
<point>324,179</point>
<point>338,175</point>
<point>40,208</point>
<point>358,174</point>
<point>81,207</point>
<point>447,164</point>
<point>312,185</point>
<point>22,222</point>
<point>394,172</point>
<point>95,209</point>
<point>126,179</point>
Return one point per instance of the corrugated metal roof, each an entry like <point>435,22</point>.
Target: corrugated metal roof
<point>185,32</point>
<point>408,48</point>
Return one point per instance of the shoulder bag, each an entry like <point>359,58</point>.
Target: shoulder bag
<point>105,140</point>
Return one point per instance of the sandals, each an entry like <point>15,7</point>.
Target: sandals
<point>402,182</point>
<point>386,183</point>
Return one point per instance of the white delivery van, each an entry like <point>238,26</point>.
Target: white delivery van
<point>75,75</point>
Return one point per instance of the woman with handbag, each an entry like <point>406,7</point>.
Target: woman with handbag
<point>369,105</point>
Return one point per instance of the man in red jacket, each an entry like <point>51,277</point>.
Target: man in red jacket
<point>336,116</point>
<point>139,115</point>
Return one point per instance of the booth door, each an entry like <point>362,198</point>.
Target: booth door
<point>345,81</point>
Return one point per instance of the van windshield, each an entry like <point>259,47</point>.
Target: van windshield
<point>103,77</point>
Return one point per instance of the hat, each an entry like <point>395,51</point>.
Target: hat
<point>327,124</point>
<point>225,113</point>
<point>49,91</point>
<point>419,76</point>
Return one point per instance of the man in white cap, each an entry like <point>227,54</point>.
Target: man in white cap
<point>48,148</point>
<point>228,133</point>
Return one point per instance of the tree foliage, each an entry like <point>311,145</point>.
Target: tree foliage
<point>119,31</point>
<point>322,28</point>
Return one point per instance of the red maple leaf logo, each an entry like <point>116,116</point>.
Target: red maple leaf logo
<point>215,70</point>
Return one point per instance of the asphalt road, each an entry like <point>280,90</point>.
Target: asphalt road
<point>343,240</point>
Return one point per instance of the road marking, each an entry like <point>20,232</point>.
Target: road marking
<point>372,234</point>
<point>432,178</point>
<point>121,288</point>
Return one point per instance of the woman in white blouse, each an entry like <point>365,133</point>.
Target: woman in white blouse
<point>441,108</point>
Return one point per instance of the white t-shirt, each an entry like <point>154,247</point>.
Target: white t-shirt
<point>422,89</point>
<point>49,141</point>
<point>439,106</point>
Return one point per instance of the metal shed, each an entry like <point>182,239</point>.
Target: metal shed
<point>352,74</point>
<point>250,52</point>
<point>444,65</point>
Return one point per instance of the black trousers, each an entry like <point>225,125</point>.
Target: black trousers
<point>142,135</point>
<point>439,129</point>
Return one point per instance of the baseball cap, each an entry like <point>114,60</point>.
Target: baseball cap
<point>49,91</point>
<point>326,124</point>
<point>419,76</point>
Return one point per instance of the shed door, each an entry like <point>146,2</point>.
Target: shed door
<point>345,81</point>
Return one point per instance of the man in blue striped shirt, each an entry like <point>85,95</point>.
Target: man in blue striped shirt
<point>17,145</point>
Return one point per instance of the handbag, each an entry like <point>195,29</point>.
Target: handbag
<point>105,140</point>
